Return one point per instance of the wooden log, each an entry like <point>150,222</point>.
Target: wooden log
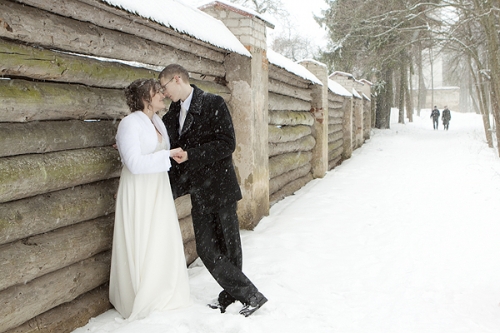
<point>336,153</point>
<point>334,162</point>
<point>29,175</point>
<point>20,303</point>
<point>69,316</point>
<point>336,98</point>
<point>335,136</point>
<point>335,121</point>
<point>306,143</point>
<point>183,206</point>
<point>335,145</point>
<point>50,136</point>
<point>107,16</point>
<point>290,189</point>
<point>27,101</point>
<point>20,60</point>
<point>287,133</point>
<point>332,113</point>
<point>190,251</point>
<point>292,118</point>
<point>32,257</point>
<point>335,105</point>
<point>334,128</point>
<point>282,75</point>
<point>279,182</point>
<point>35,215</point>
<point>281,102</point>
<point>187,231</point>
<point>283,88</point>
<point>280,164</point>
<point>38,27</point>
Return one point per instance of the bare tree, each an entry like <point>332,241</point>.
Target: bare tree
<point>371,38</point>
<point>291,44</point>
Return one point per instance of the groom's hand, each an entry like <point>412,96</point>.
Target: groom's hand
<point>175,152</point>
<point>181,157</point>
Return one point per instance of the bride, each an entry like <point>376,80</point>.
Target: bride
<point>148,267</point>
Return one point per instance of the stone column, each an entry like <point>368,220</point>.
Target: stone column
<point>347,122</point>
<point>319,107</point>
<point>247,79</point>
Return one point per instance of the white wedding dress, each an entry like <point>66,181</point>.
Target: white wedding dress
<point>148,267</point>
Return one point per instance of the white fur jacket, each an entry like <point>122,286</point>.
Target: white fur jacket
<point>136,139</point>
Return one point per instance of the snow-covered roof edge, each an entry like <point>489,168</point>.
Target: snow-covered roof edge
<point>366,97</point>
<point>185,19</point>
<point>356,94</point>
<point>241,10</point>
<point>291,66</point>
<point>341,74</point>
<point>338,89</point>
<point>312,61</point>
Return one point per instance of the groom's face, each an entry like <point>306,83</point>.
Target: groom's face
<point>170,88</point>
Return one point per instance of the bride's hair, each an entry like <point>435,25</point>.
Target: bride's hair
<point>140,91</point>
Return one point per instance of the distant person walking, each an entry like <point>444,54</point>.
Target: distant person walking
<point>446,117</point>
<point>435,117</point>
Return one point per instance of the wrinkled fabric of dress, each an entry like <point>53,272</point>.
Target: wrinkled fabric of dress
<point>148,267</point>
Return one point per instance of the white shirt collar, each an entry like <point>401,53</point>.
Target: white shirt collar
<point>187,103</point>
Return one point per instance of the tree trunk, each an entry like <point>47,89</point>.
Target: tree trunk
<point>402,89</point>
<point>483,101</point>
<point>384,100</point>
<point>491,32</point>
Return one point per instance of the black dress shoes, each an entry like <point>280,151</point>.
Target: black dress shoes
<point>255,302</point>
<point>220,304</point>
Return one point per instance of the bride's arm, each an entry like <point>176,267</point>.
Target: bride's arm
<point>129,146</point>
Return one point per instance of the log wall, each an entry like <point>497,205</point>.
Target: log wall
<point>59,172</point>
<point>63,67</point>
<point>336,105</point>
<point>291,138</point>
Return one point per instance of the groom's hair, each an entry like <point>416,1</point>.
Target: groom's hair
<point>172,70</point>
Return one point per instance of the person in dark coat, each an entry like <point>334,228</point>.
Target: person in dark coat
<point>435,117</point>
<point>446,117</point>
<point>200,124</point>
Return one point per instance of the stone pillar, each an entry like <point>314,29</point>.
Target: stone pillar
<point>319,107</point>
<point>247,79</point>
<point>347,122</point>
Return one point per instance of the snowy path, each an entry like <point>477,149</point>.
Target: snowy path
<point>403,237</point>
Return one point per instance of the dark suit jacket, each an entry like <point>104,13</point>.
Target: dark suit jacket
<point>208,137</point>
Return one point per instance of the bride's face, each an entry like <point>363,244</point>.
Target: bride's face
<point>157,102</point>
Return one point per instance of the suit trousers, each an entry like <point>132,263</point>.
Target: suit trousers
<point>218,244</point>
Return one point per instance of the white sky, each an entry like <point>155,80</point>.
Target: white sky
<point>401,238</point>
<point>301,14</point>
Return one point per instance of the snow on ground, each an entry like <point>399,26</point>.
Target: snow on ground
<point>403,237</point>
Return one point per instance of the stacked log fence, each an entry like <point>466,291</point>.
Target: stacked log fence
<point>62,99</point>
<point>64,65</point>
<point>290,133</point>
<point>336,109</point>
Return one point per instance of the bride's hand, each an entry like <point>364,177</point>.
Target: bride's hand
<point>176,152</point>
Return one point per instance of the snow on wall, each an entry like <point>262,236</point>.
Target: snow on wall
<point>185,19</point>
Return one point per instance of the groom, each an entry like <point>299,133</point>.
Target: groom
<point>200,123</point>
